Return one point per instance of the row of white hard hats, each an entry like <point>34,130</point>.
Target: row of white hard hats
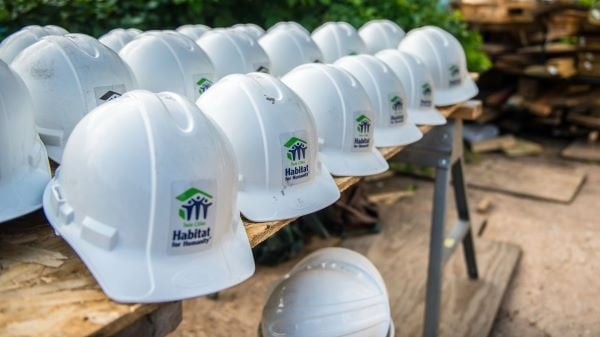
<point>332,292</point>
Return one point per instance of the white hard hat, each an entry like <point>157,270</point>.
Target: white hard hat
<point>117,38</point>
<point>344,116</point>
<point>169,61</point>
<point>289,25</point>
<point>381,34</point>
<point>151,208</point>
<point>288,48</point>
<point>233,53</point>
<point>67,76</point>
<point>445,58</point>
<point>25,37</point>
<point>254,30</point>
<point>329,294</point>
<point>193,31</point>
<point>24,169</point>
<point>274,138</point>
<point>420,91</point>
<point>388,97</point>
<point>338,39</point>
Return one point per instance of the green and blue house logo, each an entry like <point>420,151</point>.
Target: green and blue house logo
<point>194,206</point>
<point>396,104</point>
<point>454,70</point>
<point>363,124</point>
<point>426,89</point>
<point>296,149</point>
<point>203,85</point>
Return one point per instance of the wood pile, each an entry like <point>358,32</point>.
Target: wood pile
<point>546,64</point>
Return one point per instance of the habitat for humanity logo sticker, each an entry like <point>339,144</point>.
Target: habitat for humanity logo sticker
<point>425,101</point>
<point>203,84</point>
<point>397,111</point>
<point>192,217</point>
<point>108,93</point>
<point>362,132</point>
<point>454,71</point>
<point>295,154</point>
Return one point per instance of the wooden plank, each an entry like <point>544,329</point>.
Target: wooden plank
<point>470,110</point>
<point>582,150</point>
<point>585,120</point>
<point>468,307</point>
<point>522,148</point>
<point>532,180</point>
<point>493,144</point>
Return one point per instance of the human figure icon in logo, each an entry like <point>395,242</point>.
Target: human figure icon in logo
<point>195,205</point>
<point>298,151</point>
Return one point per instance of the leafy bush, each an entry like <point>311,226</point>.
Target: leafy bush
<point>97,17</point>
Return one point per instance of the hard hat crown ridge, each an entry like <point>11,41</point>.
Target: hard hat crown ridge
<point>288,48</point>
<point>338,39</point>
<point>381,34</point>
<point>24,169</point>
<point>67,77</point>
<point>275,141</point>
<point>167,161</point>
<point>117,38</point>
<point>25,37</point>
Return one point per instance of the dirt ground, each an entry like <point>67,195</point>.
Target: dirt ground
<point>554,290</point>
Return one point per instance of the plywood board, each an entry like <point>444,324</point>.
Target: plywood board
<point>582,150</point>
<point>538,181</point>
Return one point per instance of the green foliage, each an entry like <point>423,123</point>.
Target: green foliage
<point>97,17</point>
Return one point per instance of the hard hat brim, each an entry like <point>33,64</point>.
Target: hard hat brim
<point>130,276</point>
<point>391,332</point>
<point>464,92</point>
<point>429,116</point>
<point>354,163</point>
<point>22,195</point>
<point>292,201</point>
<point>404,134</point>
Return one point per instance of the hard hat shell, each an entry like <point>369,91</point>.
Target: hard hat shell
<point>233,52</point>
<point>254,30</point>
<point>25,37</point>
<point>289,25</point>
<point>151,209</point>
<point>381,34</point>
<point>344,115</point>
<point>169,61</point>
<point>445,58</point>
<point>328,296</point>
<point>24,169</point>
<point>67,76</point>
<point>388,97</point>
<point>117,38</point>
<point>288,48</point>
<point>420,90</point>
<point>275,141</point>
<point>194,32</point>
<point>338,39</point>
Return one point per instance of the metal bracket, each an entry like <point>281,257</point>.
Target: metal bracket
<point>442,148</point>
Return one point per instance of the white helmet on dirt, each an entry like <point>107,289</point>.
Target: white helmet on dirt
<point>344,117</point>
<point>167,226</point>
<point>338,39</point>
<point>274,138</point>
<point>420,91</point>
<point>381,34</point>
<point>388,97</point>
<point>67,76</point>
<point>445,58</point>
<point>288,48</point>
<point>233,52</point>
<point>169,61</point>
<point>289,25</point>
<point>194,32</point>
<point>330,293</point>
<point>25,37</point>
<point>24,169</point>
<point>254,30</point>
<point>117,38</point>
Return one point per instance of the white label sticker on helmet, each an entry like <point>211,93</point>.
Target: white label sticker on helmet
<point>202,83</point>
<point>363,131</point>
<point>296,157</point>
<point>396,109</point>
<point>192,216</point>
<point>425,101</point>
<point>108,93</point>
